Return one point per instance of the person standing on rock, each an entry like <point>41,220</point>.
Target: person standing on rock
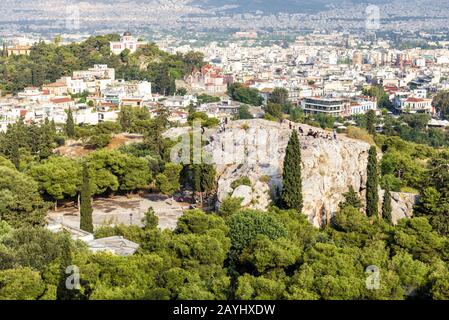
<point>335,134</point>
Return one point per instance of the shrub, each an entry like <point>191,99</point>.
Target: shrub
<point>359,134</point>
<point>60,140</point>
<point>409,190</point>
<point>241,181</point>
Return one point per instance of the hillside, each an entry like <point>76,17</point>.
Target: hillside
<point>329,168</point>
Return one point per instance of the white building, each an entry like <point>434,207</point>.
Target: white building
<point>362,105</point>
<point>330,106</point>
<point>127,41</point>
<point>413,105</point>
<point>99,71</point>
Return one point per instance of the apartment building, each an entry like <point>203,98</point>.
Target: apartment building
<point>330,106</point>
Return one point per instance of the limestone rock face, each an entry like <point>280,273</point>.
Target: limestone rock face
<point>256,149</point>
<point>401,204</point>
<point>244,192</point>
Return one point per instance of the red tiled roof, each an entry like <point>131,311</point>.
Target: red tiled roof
<point>413,99</point>
<point>61,100</point>
<point>54,85</point>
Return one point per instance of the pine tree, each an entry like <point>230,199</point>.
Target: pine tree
<point>372,196</point>
<point>70,124</point>
<point>86,203</point>
<point>370,122</point>
<point>203,179</point>
<point>386,206</point>
<point>150,220</point>
<point>351,199</point>
<point>62,290</point>
<point>291,196</point>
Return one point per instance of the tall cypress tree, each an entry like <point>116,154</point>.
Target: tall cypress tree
<point>370,122</point>
<point>15,156</point>
<point>62,290</point>
<point>208,174</point>
<point>291,196</point>
<point>386,206</point>
<point>196,179</point>
<point>86,203</point>
<point>70,124</point>
<point>372,196</point>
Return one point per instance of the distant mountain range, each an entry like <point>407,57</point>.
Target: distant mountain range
<point>245,6</point>
<point>274,6</point>
<point>267,6</point>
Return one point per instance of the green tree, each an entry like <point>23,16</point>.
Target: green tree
<point>229,206</point>
<point>291,196</point>
<point>125,118</point>
<point>20,202</point>
<point>372,196</point>
<point>434,202</point>
<point>86,202</point>
<point>246,225</point>
<point>58,178</point>
<point>15,140</point>
<point>296,115</point>
<point>244,113</point>
<point>65,292</point>
<point>136,174</point>
<point>98,141</point>
<point>371,122</point>
<point>351,199</point>
<point>203,179</point>
<point>199,222</point>
<point>205,98</point>
<point>325,120</point>
<point>378,92</point>
<point>279,96</point>
<point>70,124</point>
<point>6,163</point>
<point>168,180</point>
<point>386,206</point>
<point>244,94</point>
<point>274,110</point>
<point>35,247</point>
<point>349,219</point>
<point>259,288</point>
<point>21,284</point>
<point>150,220</point>
<point>264,254</point>
<point>111,170</point>
<point>441,103</point>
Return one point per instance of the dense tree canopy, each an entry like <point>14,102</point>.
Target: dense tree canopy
<point>244,94</point>
<point>20,202</point>
<point>49,61</point>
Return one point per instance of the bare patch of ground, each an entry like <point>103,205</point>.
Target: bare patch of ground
<point>75,148</point>
<point>126,210</point>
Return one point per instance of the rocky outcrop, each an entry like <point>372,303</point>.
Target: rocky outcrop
<point>256,149</point>
<point>401,204</point>
<point>245,193</point>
